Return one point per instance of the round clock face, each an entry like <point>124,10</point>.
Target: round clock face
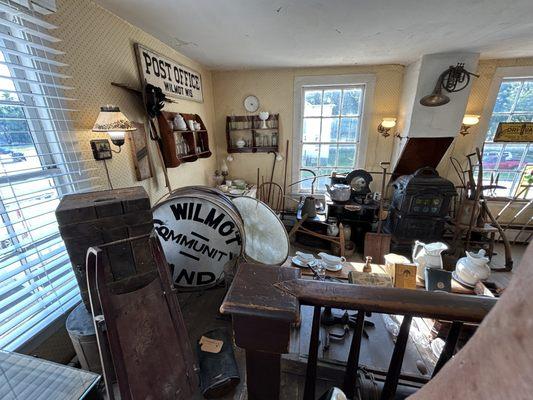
<point>251,103</point>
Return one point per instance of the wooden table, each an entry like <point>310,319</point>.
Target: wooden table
<point>347,267</point>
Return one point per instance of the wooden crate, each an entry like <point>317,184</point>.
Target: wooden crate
<point>95,218</point>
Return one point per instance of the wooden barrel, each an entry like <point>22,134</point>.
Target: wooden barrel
<point>80,328</point>
<point>202,235</point>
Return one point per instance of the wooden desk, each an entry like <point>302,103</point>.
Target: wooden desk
<point>262,316</point>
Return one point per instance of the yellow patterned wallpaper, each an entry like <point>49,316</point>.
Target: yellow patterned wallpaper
<point>99,50</point>
<point>274,88</point>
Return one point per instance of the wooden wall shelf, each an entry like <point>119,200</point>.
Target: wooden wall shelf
<point>248,128</point>
<point>181,146</point>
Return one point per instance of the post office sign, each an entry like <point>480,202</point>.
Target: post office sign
<point>176,80</point>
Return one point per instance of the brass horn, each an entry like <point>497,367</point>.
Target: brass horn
<point>454,79</point>
<point>436,98</point>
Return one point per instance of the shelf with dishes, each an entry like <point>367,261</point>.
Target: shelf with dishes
<point>184,138</point>
<point>252,134</point>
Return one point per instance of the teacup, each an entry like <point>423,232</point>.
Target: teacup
<point>304,258</point>
<point>331,260</point>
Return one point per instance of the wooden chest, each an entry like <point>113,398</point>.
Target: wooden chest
<point>95,218</point>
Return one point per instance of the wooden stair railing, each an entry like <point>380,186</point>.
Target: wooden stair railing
<point>409,303</point>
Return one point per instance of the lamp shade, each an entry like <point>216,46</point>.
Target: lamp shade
<point>470,120</point>
<point>111,119</point>
<point>388,123</point>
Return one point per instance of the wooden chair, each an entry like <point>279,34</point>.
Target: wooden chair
<point>339,240</point>
<point>272,194</point>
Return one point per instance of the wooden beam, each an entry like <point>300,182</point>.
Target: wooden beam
<point>440,305</point>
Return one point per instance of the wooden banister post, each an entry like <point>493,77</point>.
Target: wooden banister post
<point>262,318</point>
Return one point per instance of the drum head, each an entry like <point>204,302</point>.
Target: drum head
<point>201,232</point>
<point>267,241</point>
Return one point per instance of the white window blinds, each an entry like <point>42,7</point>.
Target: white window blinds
<point>39,163</point>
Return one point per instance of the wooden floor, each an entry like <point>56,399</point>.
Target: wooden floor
<point>200,311</point>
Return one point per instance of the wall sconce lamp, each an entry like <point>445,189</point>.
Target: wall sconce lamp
<point>112,121</point>
<point>386,125</point>
<point>468,121</point>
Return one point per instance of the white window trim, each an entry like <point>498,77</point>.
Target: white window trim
<point>368,80</point>
<point>500,74</point>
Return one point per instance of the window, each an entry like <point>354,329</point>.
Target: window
<point>39,163</point>
<point>514,102</point>
<point>329,128</point>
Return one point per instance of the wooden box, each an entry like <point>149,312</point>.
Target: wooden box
<point>369,279</point>
<point>95,218</point>
<point>402,272</point>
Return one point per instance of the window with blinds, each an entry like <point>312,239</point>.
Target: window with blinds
<point>39,163</point>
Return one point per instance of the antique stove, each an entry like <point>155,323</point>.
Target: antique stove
<point>360,211</point>
<point>420,206</point>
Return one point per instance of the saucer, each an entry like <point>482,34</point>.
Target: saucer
<point>460,281</point>
<point>299,263</point>
<point>333,268</point>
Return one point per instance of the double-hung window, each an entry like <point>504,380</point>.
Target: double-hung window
<point>39,163</point>
<point>514,103</point>
<point>328,127</point>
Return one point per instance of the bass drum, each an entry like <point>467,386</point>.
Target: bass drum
<point>202,235</point>
<point>267,241</point>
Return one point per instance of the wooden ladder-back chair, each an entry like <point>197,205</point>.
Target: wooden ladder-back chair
<point>272,194</point>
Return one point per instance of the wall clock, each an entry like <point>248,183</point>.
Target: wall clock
<point>251,103</point>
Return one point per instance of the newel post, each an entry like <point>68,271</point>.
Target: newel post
<point>262,317</point>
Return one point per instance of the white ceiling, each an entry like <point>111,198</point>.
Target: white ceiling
<point>234,34</point>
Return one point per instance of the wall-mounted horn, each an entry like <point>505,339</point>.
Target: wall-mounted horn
<point>454,79</point>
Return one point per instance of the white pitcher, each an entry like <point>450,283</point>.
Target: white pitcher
<point>472,268</point>
<point>427,255</point>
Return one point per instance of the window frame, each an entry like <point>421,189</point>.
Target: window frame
<point>46,121</point>
<point>500,74</point>
<point>323,82</point>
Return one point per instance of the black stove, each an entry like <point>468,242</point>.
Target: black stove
<point>420,206</point>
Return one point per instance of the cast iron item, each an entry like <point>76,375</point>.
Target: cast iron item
<point>420,206</point>
<point>359,180</point>
<point>219,373</point>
